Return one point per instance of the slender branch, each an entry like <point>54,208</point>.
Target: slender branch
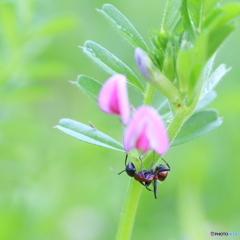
<point>149,95</point>
<point>129,210</point>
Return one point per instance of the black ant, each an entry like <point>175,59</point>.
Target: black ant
<point>147,177</point>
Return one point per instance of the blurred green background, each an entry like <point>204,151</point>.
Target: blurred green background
<point>55,187</point>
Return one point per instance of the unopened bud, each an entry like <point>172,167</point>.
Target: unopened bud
<point>144,63</point>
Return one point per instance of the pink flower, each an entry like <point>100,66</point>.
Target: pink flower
<point>113,97</point>
<point>146,131</point>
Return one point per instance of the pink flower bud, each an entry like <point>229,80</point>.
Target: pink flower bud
<point>113,97</point>
<point>143,62</point>
<point>146,131</point>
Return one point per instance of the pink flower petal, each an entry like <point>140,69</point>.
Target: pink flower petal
<point>113,97</point>
<point>157,133</point>
<point>134,130</point>
<point>146,131</point>
<point>142,142</point>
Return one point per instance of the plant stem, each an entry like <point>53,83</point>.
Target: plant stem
<point>176,124</point>
<point>129,210</point>
<point>149,95</point>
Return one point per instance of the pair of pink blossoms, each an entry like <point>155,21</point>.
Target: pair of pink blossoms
<point>145,130</point>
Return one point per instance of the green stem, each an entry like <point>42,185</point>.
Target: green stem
<point>129,210</point>
<point>176,124</point>
<point>149,95</point>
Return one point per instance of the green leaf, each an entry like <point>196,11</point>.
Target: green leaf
<point>169,64</point>
<point>111,64</point>
<point>178,29</point>
<point>205,47</point>
<point>222,33</point>
<point>221,15</point>
<point>211,82</point>
<point>171,15</point>
<point>195,10</point>
<point>209,5</point>
<point>184,67</point>
<point>231,11</point>
<point>187,23</point>
<point>197,125</point>
<point>159,41</point>
<point>88,134</point>
<point>89,86</point>
<point>208,68</point>
<point>208,98</point>
<point>123,25</point>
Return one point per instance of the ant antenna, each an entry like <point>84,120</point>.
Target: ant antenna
<point>113,170</point>
<point>126,159</point>
<point>165,162</point>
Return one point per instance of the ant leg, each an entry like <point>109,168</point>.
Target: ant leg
<point>155,188</point>
<point>125,164</point>
<point>167,165</point>
<point>146,186</point>
<point>149,189</point>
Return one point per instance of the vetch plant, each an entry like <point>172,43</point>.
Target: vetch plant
<point>179,65</point>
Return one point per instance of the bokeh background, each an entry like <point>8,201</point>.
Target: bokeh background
<point>55,187</point>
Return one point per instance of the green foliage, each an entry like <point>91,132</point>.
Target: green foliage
<point>123,25</point>
<point>183,68</point>
<point>213,79</point>
<point>111,64</point>
<point>209,5</point>
<point>187,21</point>
<point>89,86</point>
<point>205,100</point>
<point>166,113</point>
<point>197,125</point>
<point>196,10</point>
<point>197,41</point>
<point>171,15</point>
<point>88,134</point>
<point>184,52</point>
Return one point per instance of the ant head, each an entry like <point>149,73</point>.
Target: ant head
<point>162,172</point>
<point>161,168</point>
<point>130,169</point>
